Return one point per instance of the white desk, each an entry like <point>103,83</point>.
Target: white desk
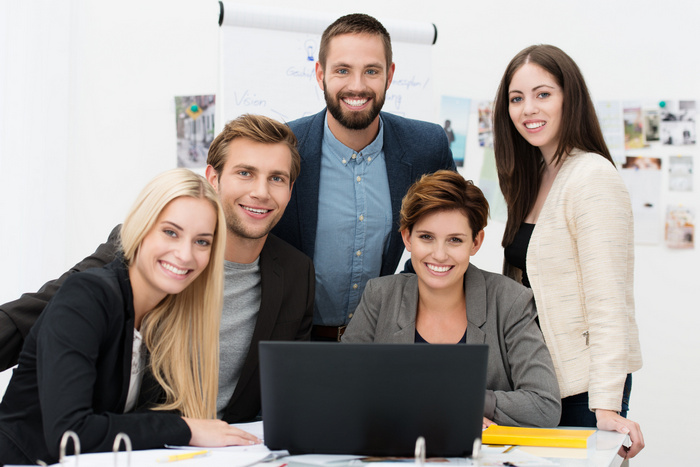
<point>603,453</point>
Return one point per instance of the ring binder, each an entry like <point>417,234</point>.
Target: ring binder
<point>127,447</point>
<point>64,443</point>
<point>420,452</point>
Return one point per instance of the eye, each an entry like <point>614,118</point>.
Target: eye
<point>277,179</point>
<point>543,95</point>
<point>202,242</point>
<point>425,237</point>
<point>455,240</point>
<point>515,100</point>
<point>372,72</point>
<point>170,233</point>
<point>342,71</point>
<point>243,173</point>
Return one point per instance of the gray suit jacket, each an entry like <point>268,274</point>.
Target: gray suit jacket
<point>521,385</point>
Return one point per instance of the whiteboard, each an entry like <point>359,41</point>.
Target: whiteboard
<point>268,55</point>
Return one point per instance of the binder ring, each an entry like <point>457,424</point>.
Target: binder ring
<point>64,442</point>
<point>127,447</point>
<point>420,451</point>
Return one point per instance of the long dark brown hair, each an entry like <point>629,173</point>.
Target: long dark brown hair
<point>520,164</point>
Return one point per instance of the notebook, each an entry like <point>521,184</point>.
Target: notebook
<point>372,399</point>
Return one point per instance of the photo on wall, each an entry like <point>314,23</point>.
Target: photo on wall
<point>642,175</point>
<point>680,173</point>
<point>454,118</point>
<point>677,126</point>
<point>680,227</point>
<point>194,120</point>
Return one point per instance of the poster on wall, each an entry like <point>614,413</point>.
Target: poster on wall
<point>680,227</point>
<point>677,125</point>
<point>194,121</point>
<point>485,124</point>
<point>454,117</point>
<point>610,117</point>
<point>634,125</point>
<point>680,173</point>
<point>642,175</point>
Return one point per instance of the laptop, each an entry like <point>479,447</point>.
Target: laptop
<point>372,399</point>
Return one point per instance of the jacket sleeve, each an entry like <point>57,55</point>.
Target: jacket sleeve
<point>73,347</point>
<point>602,220</point>
<point>534,399</point>
<point>17,317</point>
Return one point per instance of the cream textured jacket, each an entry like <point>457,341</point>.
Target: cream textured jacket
<point>580,262</point>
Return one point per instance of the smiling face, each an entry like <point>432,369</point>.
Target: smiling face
<point>254,186</point>
<point>176,249</point>
<point>441,244</point>
<point>355,79</point>
<point>535,107</point>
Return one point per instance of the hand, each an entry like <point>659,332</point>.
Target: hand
<point>213,433</point>
<point>612,421</point>
<point>487,423</point>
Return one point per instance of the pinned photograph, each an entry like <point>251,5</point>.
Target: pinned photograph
<point>486,124</point>
<point>680,173</point>
<point>680,227</point>
<point>634,125</point>
<point>454,117</point>
<point>677,126</point>
<point>195,129</point>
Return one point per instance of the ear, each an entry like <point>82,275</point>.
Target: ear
<point>319,75</point>
<point>406,236</point>
<point>212,176</point>
<point>478,241</point>
<point>390,75</point>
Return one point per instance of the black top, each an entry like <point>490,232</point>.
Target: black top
<point>74,373</point>
<point>516,252</point>
<point>419,339</point>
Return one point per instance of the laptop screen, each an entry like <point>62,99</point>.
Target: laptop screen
<point>372,399</point>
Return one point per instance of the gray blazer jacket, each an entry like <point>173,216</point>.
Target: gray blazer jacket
<point>521,387</point>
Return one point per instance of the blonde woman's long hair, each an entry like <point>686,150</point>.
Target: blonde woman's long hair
<point>182,331</point>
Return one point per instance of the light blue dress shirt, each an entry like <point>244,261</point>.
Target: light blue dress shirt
<point>354,222</point>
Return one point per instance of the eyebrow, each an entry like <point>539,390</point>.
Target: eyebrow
<point>534,89</point>
<point>448,235</point>
<point>205,234</point>
<point>250,168</point>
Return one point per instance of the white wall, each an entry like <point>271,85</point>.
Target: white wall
<point>87,117</point>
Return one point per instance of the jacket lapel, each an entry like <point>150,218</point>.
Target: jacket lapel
<point>475,291</point>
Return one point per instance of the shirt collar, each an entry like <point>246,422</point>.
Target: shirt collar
<point>345,155</point>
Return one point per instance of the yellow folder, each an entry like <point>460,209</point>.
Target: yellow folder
<point>497,434</point>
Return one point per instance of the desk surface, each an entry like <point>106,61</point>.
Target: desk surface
<point>602,453</point>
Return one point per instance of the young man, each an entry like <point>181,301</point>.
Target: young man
<point>357,164</point>
<point>269,285</point>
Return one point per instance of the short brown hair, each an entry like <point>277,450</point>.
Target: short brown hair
<point>257,128</point>
<point>356,23</point>
<point>444,190</point>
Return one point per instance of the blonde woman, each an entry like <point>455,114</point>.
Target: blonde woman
<point>156,309</point>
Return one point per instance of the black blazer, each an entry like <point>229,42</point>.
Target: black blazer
<point>74,372</point>
<point>286,310</point>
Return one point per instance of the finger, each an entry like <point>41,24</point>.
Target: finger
<point>246,435</point>
<point>236,440</point>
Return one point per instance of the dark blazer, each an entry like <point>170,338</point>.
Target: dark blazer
<point>74,372</point>
<point>286,309</point>
<point>521,385</point>
<point>411,148</point>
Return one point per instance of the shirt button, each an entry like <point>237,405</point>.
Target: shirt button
<point>354,156</point>
<point>355,286</point>
<point>350,315</point>
<point>359,178</point>
<point>362,217</point>
<point>369,159</point>
<point>358,253</point>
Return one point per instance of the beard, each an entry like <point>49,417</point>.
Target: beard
<point>354,120</point>
<point>236,225</point>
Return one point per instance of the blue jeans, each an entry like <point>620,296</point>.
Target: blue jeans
<point>575,412</point>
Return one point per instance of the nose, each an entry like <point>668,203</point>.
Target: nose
<point>260,189</point>
<point>440,252</point>
<point>530,107</point>
<point>356,82</point>
<point>183,252</point>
